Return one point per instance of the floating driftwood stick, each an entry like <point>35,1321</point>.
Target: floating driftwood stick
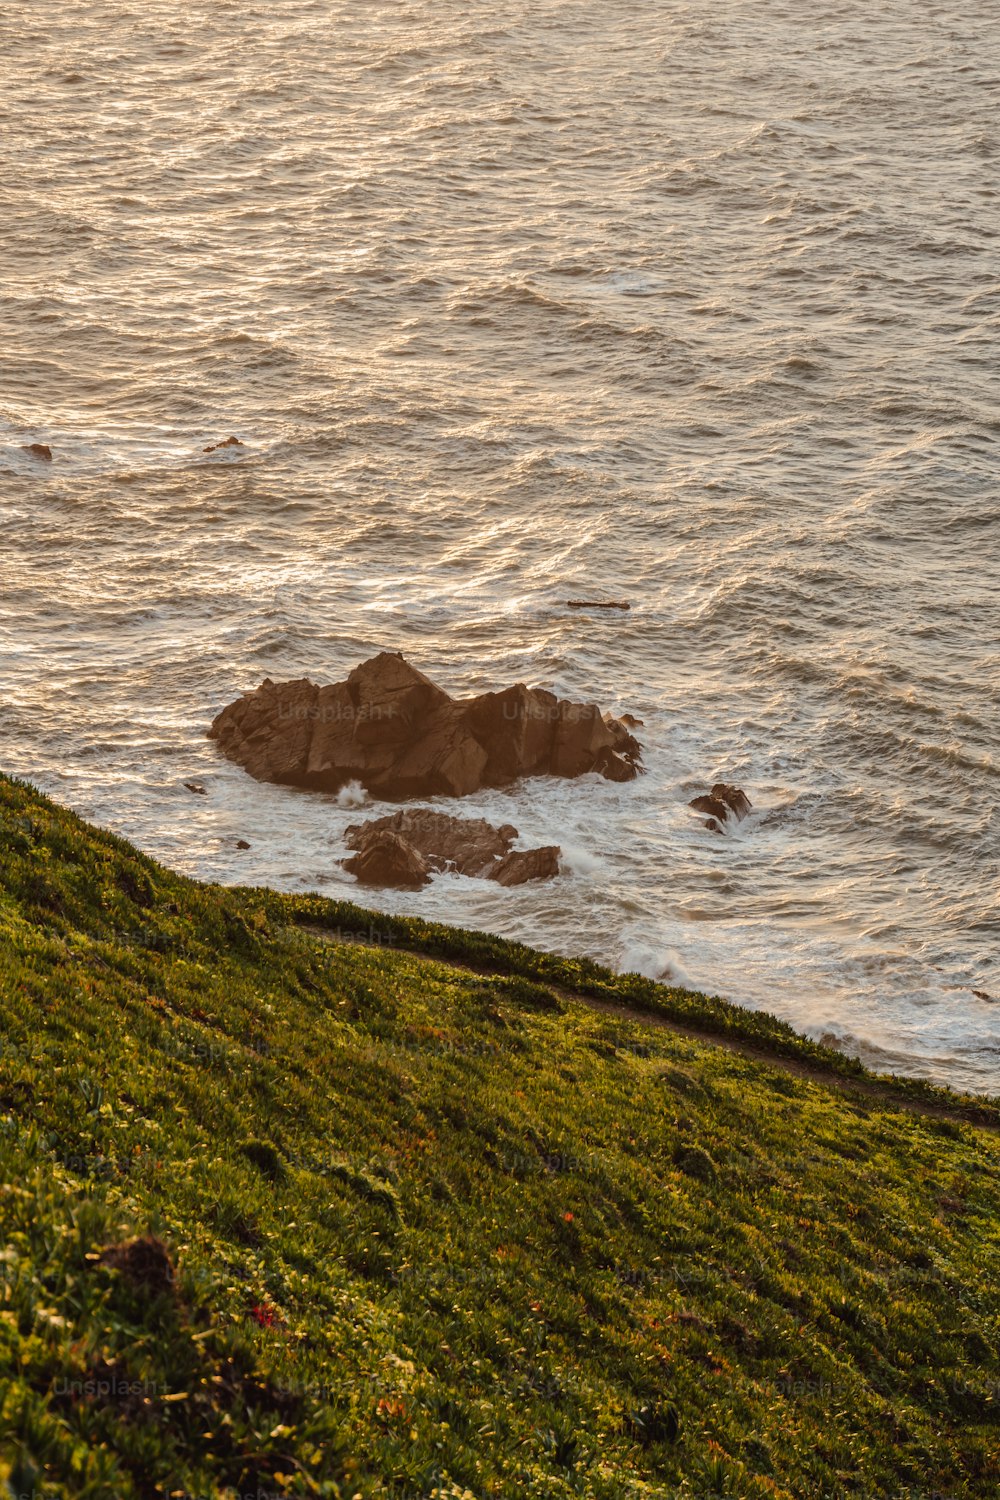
<point>597,604</point>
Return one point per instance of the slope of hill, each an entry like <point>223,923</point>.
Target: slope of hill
<point>288,1213</point>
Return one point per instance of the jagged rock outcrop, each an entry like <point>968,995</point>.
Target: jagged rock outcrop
<point>725,802</point>
<point>400,735</point>
<point>472,846</point>
<point>387,859</point>
<point>522,865</point>
<point>402,848</point>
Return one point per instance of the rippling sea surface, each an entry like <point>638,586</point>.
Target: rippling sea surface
<point>692,305</point>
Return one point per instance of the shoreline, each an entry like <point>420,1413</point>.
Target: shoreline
<point>756,1034</point>
<point>868,1083</point>
<point>647,890</point>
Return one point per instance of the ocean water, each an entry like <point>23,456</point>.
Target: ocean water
<point>696,306</point>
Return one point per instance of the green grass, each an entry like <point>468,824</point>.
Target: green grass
<point>417,1231</point>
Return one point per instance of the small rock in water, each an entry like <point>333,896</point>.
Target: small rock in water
<point>229,442</point>
<point>423,840</point>
<point>982,995</point>
<point>522,865</point>
<point>242,844</point>
<point>196,787</point>
<point>38,450</point>
<point>386,859</point>
<point>725,801</point>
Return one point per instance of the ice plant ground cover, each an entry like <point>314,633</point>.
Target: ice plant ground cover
<point>288,1214</point>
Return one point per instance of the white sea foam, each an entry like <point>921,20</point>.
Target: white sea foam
<point>576,859</point>
<point>640,956</point>
<point>352,795</point>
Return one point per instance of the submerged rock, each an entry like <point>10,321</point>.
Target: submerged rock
<point>38,450</point>
<point>229,442</point>
<point>400,735</point>
<point>724,802</point>
<point>413,842</point>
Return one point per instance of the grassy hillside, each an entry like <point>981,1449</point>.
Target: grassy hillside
<point>286,1215</point>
